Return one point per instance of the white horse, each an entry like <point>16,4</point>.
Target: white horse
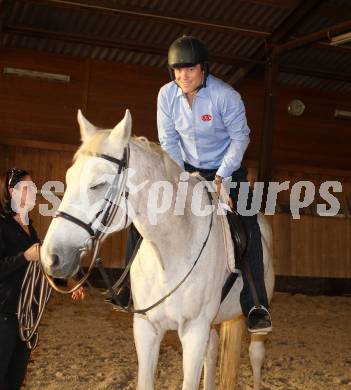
<point>167,253</point>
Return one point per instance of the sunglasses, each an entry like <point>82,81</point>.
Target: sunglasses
<point>15,175</point>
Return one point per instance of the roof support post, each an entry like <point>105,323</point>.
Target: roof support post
<point>266,145</point>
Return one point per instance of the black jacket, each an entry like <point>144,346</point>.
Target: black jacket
<point>13,242</point>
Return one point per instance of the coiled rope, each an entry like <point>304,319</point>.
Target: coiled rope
<point>35,294</point>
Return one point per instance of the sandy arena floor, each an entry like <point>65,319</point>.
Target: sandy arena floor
<point>87,345</point>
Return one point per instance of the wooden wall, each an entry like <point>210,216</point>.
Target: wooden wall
<point>45,110</point>
<point>314,245</point>
<point>38,131</point>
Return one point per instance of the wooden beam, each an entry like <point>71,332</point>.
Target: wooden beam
<point>4,6</point>
<point>258,73</point>
<point>86,87</point>
<point>313,72</point>
<point>275,3</point>
<point>338,174</point>
<point>265,164</point>
<point>326,33</point>
<point>341,12</point>
<point>108,7</point>
<point>38,144</point>
<point>294,19</point>
<point>116,44</point>
<point>327,46</point>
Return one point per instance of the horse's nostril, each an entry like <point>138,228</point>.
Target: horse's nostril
<point>55,260</point>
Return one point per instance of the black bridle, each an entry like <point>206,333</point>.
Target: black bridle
<point>112,200</point>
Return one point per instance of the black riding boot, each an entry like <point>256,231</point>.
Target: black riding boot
<point>253,299</point>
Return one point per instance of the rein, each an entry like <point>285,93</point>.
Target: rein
<point>161,300</point>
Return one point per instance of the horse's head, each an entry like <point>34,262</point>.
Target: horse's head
<point>88,184</point>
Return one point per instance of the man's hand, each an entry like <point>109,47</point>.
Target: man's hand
<point>218,181</point>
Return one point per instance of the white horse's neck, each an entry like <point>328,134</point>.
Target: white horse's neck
<point>170,229</point>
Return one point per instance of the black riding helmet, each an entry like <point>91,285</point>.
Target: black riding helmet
<point>185,52</point>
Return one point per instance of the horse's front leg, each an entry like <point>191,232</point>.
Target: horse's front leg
<point>194,338</point>
<point>147,341</point>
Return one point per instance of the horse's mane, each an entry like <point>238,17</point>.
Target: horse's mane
<point>94,143</point>
<point>151,146</point>
<point>171,168</point>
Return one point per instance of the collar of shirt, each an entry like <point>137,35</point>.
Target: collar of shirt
<point>203,92</point>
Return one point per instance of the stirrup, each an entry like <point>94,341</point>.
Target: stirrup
<point>125,302</point>
<point>264,329</point>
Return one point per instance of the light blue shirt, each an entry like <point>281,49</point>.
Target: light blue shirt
<point>213,134</point>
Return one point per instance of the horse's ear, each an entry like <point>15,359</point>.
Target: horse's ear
<point>122,132</point>
<point>86,128</point>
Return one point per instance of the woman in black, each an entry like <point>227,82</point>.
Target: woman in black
<point>19,244</point>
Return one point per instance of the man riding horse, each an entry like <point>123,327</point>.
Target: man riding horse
<point>202,125</point>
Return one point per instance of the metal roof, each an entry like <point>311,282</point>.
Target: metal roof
<point>237,33</point>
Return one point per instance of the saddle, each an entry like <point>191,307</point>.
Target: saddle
<point>240,239</point>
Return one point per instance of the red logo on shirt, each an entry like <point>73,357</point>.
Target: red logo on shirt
<point>206,117</point>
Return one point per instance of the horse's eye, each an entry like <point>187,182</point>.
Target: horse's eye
<point>98,186</point>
